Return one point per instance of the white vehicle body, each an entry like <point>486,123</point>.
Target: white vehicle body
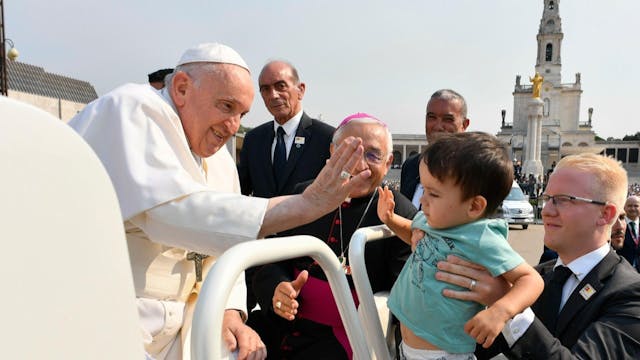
<point>516,208</point>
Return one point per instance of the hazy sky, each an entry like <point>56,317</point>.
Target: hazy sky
<point>380,57</point>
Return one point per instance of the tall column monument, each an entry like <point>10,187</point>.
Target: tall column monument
<point>532,163</point>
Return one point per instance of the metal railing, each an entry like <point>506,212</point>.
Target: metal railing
<point>206,338</point>
<point>368,310</point>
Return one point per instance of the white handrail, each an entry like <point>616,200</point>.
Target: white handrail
<point>369,312</point>
<point>206,339</point>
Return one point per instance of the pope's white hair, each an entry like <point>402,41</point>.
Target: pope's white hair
<point>196,71</point>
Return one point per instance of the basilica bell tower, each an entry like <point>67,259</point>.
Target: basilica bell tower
<point>546,122</point>
<point>548,62</point>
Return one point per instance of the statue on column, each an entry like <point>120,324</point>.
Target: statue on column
<point>537,85</point>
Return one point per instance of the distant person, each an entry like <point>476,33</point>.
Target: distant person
<point>531,186</point>
<point>630,250</point>
<point>518,171</point>
<point>156,78</point>
<point>446,113</point>
<point>590,306</point>
<point>285,151</point>
<point>302,319</point>
<point>465,177</point>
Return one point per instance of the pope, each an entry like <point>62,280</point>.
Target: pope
<point>178,190</point>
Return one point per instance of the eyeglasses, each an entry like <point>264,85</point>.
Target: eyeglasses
<point>562,200</point>
<point>373,157</point>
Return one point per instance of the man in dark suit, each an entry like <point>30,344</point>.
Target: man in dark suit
<point>281,153</point>
<point>446,112</point>
<point>618,230</point>
<point>592,312</point>
<point>267,168</point>
<point>630,249</point>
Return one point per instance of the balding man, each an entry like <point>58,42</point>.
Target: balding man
<point>446,113</point>
<point>290,149</point>
<point>281,153</point>
<point>630,250</point>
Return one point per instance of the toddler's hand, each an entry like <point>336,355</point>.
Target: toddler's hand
<point>386,204</point>
<point>485,327</point>
<point>416,235</point>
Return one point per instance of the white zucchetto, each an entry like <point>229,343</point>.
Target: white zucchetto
<point>212,52</point>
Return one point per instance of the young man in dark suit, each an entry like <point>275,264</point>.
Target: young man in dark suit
<point>630,249</point>
<point>446,112</point>
<point>594,312</point>
<point>271,164</point>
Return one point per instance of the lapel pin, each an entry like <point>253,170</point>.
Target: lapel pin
<point>587,291</point>
<point>299,141</point>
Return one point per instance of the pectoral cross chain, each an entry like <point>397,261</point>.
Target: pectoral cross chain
<point>197,262</point>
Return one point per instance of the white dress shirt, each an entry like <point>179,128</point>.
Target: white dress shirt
<point>290,128</point>
<point>417,195</point>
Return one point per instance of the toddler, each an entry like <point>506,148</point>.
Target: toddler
<point>465,177</point>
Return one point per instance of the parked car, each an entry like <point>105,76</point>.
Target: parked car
<point>516,208</point>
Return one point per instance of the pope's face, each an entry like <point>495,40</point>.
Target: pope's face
<point>211,107</point>
<point>444,116</point>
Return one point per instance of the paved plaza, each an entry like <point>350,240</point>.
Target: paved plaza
<point>528,243</point>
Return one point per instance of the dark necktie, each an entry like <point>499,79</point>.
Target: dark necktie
<point>279,156</point>
<point>550,305</point>
<point>634,237</point>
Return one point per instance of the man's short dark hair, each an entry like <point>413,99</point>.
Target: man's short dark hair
<point>448,94</point>
<point>158,76</point>
<point>477,162</point>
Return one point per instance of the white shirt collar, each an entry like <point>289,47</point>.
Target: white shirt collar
<point>290,126</point>
<point>585,263</point>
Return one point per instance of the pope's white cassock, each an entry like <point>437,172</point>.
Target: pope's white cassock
<point>171,203</point>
